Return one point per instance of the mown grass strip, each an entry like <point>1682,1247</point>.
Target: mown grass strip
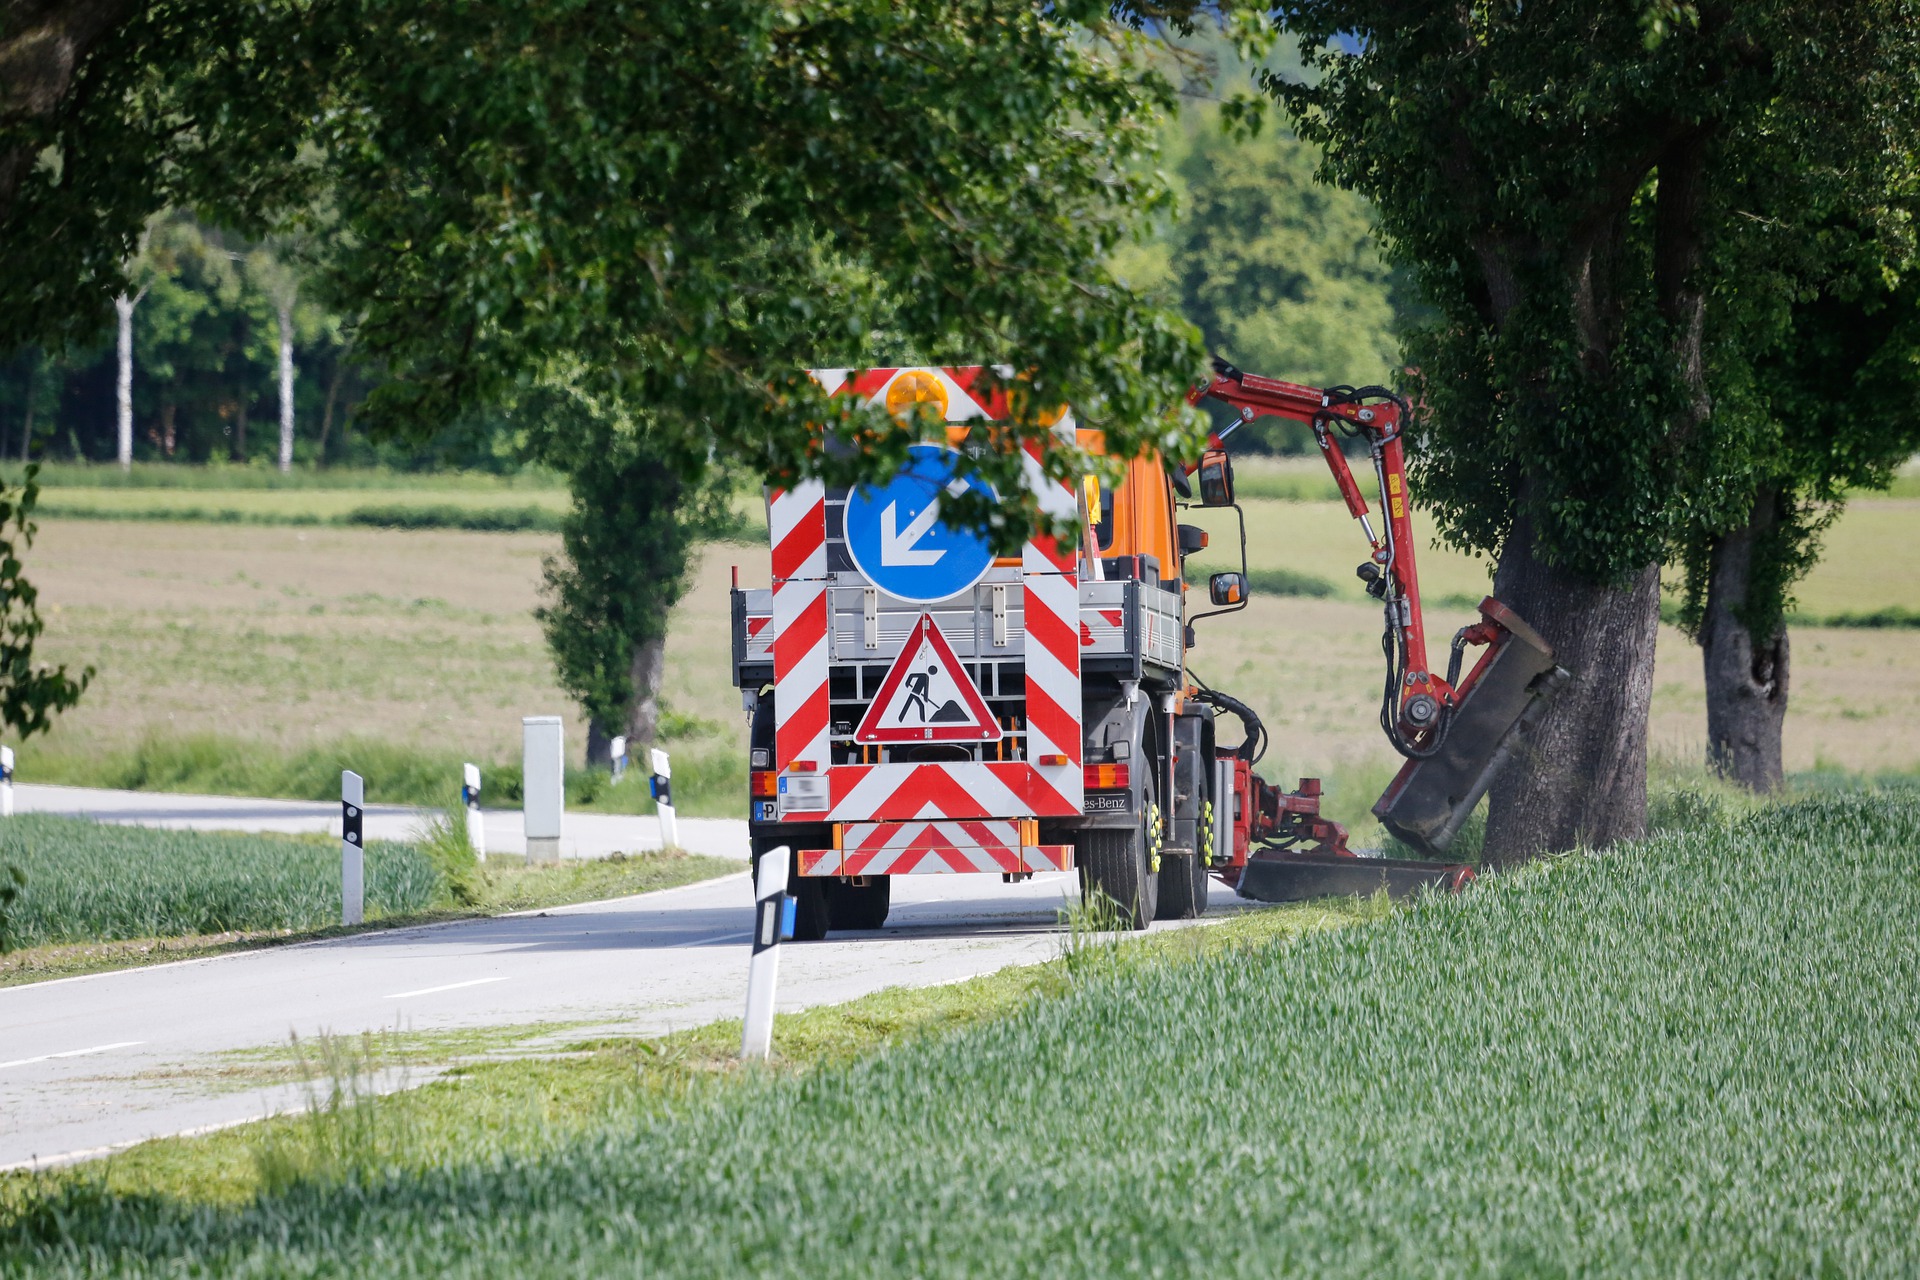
<point>1691,1056</point>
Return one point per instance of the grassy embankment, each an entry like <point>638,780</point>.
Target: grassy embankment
<point>1688,1056</point>
<point>99,897</point>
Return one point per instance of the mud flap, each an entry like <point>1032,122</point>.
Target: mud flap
<point>1296,878</point>
<point>1500,703</point>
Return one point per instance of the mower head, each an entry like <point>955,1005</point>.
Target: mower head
<point>1497,705</point>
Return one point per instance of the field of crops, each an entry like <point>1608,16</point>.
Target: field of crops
<point>1692,1056</point>
<point>90,882</point>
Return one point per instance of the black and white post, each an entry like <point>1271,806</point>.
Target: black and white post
<point>661,785</point>
<point>353,867</point>
<point>763,970</point>
<point>6,782</point>
<point>476,823</point>
<point>617,756</point>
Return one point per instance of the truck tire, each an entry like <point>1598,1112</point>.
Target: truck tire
<point>859,906</point>
<point>809,894</point>
<point>1184,879</point>
<point>1183,887</point>
<point>1118,864</point>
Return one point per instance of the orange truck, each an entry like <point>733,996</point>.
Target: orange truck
<point>920,705</point>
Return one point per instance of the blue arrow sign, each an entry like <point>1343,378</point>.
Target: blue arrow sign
<point>897,540</point>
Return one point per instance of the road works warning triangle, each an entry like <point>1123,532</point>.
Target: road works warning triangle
<point>928,696</point>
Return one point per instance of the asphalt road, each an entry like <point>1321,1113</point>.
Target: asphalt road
<point>91,1064</point>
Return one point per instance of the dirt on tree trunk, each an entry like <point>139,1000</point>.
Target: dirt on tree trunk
<point>1746,678</point>
<point>1581,778</point>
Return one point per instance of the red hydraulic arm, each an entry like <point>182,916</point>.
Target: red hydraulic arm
<point>1417,700</point>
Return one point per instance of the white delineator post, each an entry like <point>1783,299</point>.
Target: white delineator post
<point>617,756</point>
<point>661,785</point>
<point>763,970</point>
<point>543,785</point>
<point>6,782</point>
<point>476,823</point>
<point>353,868</point>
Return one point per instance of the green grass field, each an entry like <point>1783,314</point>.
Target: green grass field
<point>1689,1056</point>
<point>91,882</point>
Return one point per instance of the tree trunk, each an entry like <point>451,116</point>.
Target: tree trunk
<point>33,390</point>
<point>123,382</point>
<point>1746,677</point>
<point>643,715</point>
<point>169,411</point>
<point>286,384</point>
<point>238,448</point>
<point>1581,779</point>
<point>326,414</point>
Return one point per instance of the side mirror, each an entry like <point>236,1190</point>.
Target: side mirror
<point>1227,588</point>
<point>1216,479</point>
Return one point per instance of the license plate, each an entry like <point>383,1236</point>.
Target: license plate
<point>802,794</point>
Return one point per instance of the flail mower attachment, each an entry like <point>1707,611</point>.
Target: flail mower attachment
<point>1492,712</point>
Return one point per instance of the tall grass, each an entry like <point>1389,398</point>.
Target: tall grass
<point>216,476</point>
<point>89,882</point>
<point>1692,1056</point>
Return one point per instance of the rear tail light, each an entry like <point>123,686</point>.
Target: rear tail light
<point>1055,760</point>
<point>803,766</point>
<point>763,783</point>
<point>1107,777</point>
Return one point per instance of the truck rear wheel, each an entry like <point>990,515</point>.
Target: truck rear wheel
<point>1119,865</point>
<point>859,906</point>
<point>809,894</point>
<point>1114,865</point>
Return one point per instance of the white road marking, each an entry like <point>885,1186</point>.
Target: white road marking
<point>71,1053</point>
<point>451,986</point>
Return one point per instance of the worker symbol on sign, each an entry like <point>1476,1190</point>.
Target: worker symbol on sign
<point>927,696</point>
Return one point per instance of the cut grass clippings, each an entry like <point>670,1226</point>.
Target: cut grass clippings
<point>1692,1055</point>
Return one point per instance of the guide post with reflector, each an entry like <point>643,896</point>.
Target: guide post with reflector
<point>6,782</point>
<point>353,870</point>
<point>660,786</point>
<point>772,921</point>
<point>476,823</point>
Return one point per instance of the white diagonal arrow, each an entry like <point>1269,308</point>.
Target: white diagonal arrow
<point>897,548</point>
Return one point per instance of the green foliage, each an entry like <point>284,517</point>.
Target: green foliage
<point>685,209</point>
<point>1687,1057</point>
<point>1288,582</point>
<point>449,516</point>
<point>1281,273</point>
<point>13,883</point>
<point>447,844</point>
<point>30,695</point>
<point>639,504</point>
<point>90,882</point>
<point>1563,188</point>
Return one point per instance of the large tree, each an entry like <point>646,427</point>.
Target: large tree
<point>1817,389</point>
<point>1556,175</point>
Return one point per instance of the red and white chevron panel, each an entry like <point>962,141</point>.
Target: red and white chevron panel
<point>913,848</point>
<point>797,522</point>
<point>1052,652</point>
<point>993,789</point>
